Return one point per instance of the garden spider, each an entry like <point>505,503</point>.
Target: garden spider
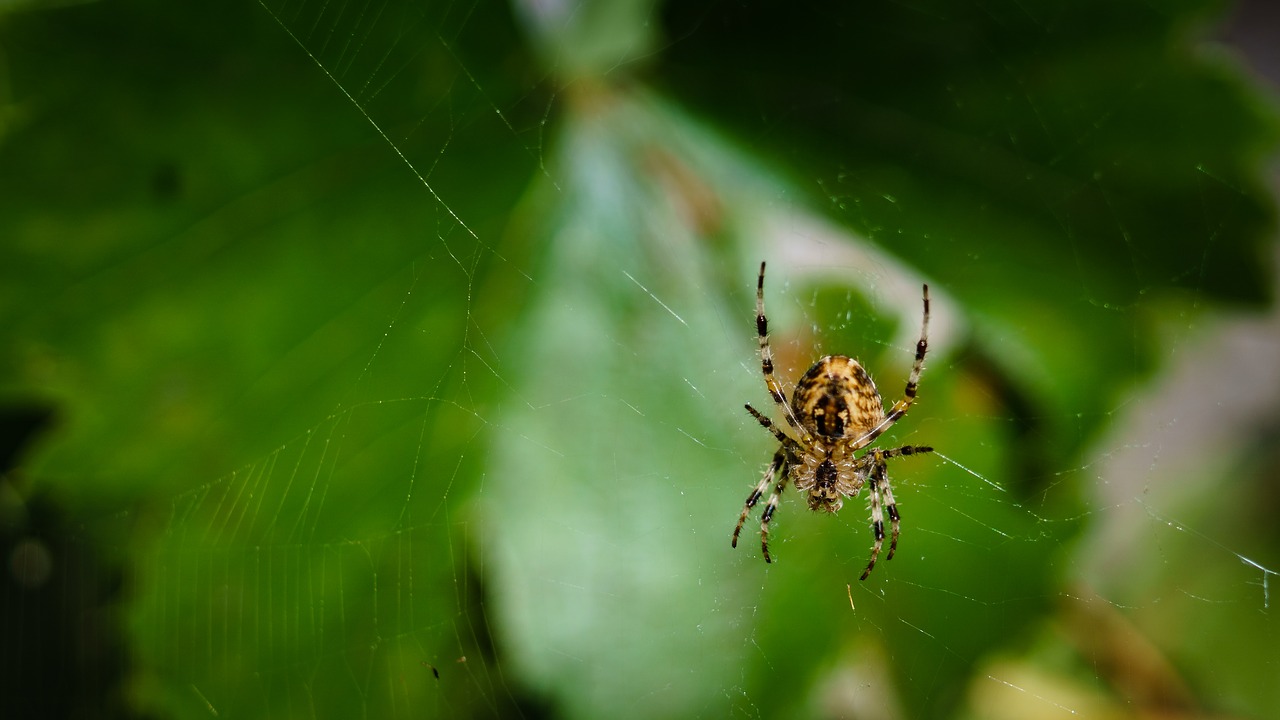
<point>836,411</point>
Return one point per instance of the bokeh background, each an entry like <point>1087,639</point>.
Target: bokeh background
<point>387,359</point>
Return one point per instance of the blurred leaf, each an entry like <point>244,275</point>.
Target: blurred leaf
<point>252,315</point>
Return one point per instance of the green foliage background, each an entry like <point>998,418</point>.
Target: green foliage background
<point>396,340</point>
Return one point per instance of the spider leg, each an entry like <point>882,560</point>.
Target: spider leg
<point>766,363</point>
<point>893,514</point>
<point>885,487</point>
<point>767,424</point>
<point>756,494</point>
<point>913,381</point>
<point>877,480</point>
<point>768,510</point>
<point>905,450</point>
<point>880,483</point>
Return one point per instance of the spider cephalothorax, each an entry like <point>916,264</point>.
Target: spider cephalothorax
<point>836,412</point>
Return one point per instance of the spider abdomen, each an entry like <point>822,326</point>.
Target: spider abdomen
<point>837,399</point>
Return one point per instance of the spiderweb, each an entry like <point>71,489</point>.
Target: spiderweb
<point>421,394</point>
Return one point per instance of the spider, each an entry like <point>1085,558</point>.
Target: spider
<point>835,411</point>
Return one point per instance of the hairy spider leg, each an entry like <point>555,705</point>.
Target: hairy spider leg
<point>768,425</point>
<point>881,496</point>
<point>903,451</point>
<point>754,497</point>
<point>913,383</point>
<point>877,480</point>
<point>766,364</point>
<point>783,475</point>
